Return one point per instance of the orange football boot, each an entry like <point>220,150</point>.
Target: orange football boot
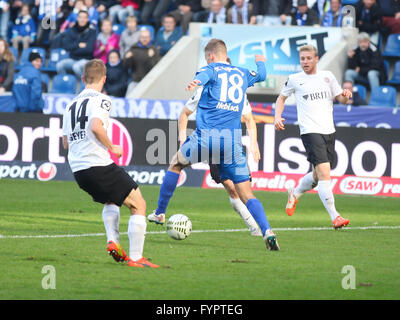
<point>292,201</point>
<point>116,251</point>
<point>141,263</point>
<point>340,222</point>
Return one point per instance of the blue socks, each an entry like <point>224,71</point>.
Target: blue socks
<point>257,211</point>
<point>166,191</point>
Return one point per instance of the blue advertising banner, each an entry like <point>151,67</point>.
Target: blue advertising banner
<point>278,44</point>
<point>366,117</point>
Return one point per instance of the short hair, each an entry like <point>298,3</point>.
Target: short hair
<point>216,46</point>
<point>131,18</point>
<point>309,47</point>
<point>363,36</point>
<point>94,71</point>
<point>83,11</point>
<point>168,15</point>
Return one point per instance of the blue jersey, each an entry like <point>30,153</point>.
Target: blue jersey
<point>223,96</point>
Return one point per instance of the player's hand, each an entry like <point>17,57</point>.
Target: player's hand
<point>347,93</point>
<point>255,151</point>
<point>259,57</point>
<point>192,85</point>
<point>278,122</point>
<point>117,150</point>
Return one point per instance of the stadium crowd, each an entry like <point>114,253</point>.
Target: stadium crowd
<point>131,36</point>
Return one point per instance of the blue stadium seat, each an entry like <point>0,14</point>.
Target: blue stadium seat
<point>392,48</point>
<point>56,55</point>
<point>396,74</point>
<point>15,53</point>
<point>148,27</point>
<point>64,83</point>
<point>26,52</point>
<point>346,2</point>
<point>362,90</point>
<point>383,96</point>
<point>118,28</point>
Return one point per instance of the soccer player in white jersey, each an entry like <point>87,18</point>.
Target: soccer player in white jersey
<point>85,124</point>
<point>315,91</point>
<point>237,204</point>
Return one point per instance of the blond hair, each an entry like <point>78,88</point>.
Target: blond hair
<point>309,47</point>
<point>94,71</point>
<point>216,46</point>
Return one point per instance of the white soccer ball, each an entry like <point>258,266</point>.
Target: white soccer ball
<point>179,226</point>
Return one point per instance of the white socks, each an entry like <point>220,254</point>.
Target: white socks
<point>136,233</point>
<point>306,184</point>
<point>244,213</point>
<point>326,195</point>
<point>111,222</point>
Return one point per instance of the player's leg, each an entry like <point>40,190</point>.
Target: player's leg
<point>256,209</point>
<point>137,229</point>
<point>240,208</point>
<point>308,182</point>
<point>168,187</point>
<point>188,153</point>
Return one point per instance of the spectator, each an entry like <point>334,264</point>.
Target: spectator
<point>102,7</point>
<point>93,13</point>
<point>130,36</point>
<point>27,87</point>
<point>304,16</point>
<point>215,14</point>
<point>240,13</point>
<point>117,77</point>
<point>333,17</point>
<point>7,61</point>
<point>391,15</point>
<point>321,7</point>
<point>48,13</point>
<point>272,12</point>
<point>356,100</point>
<point>71,19</point>
<point>141,58</point>
<point>184,12</point>
<point>107,40</point>
<point>154,9</point>
<point>24,30</point>
<point>4,18</point>
<point>365,64</point>
<point>122,10</point>
<point>168,35</point>
<point>369,18</point>
<point>79,42</point>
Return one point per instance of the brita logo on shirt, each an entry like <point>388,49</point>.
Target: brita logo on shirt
<point>317,96</point>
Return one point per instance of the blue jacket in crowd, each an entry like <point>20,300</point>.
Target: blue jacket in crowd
<point>163,44</point>
<point>73,36</point>
<point>27,90</point>
<point>24,26</point>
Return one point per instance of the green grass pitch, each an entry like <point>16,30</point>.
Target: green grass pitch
<point>207,265</point>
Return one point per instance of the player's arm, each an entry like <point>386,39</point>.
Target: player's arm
<point>261,73</point>
<point>182,124</point>
<point>96,125</point>
<point>252,130</point>
<point>65,142</point>
<point>344,97</point>
<point>279,107</point>
<point>202,77</point>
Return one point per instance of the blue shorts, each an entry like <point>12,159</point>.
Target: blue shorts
<point>225,151</point>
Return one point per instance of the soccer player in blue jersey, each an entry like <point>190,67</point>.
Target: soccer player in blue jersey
<point>218,133</point>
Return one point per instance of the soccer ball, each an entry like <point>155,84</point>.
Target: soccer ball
<point>179,226</point>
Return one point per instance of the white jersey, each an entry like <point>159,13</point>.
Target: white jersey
<point>192,103</point>
<point>314,98</point>
<point>84,149</point>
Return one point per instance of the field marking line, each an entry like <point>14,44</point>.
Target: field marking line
<point>193,231</point>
